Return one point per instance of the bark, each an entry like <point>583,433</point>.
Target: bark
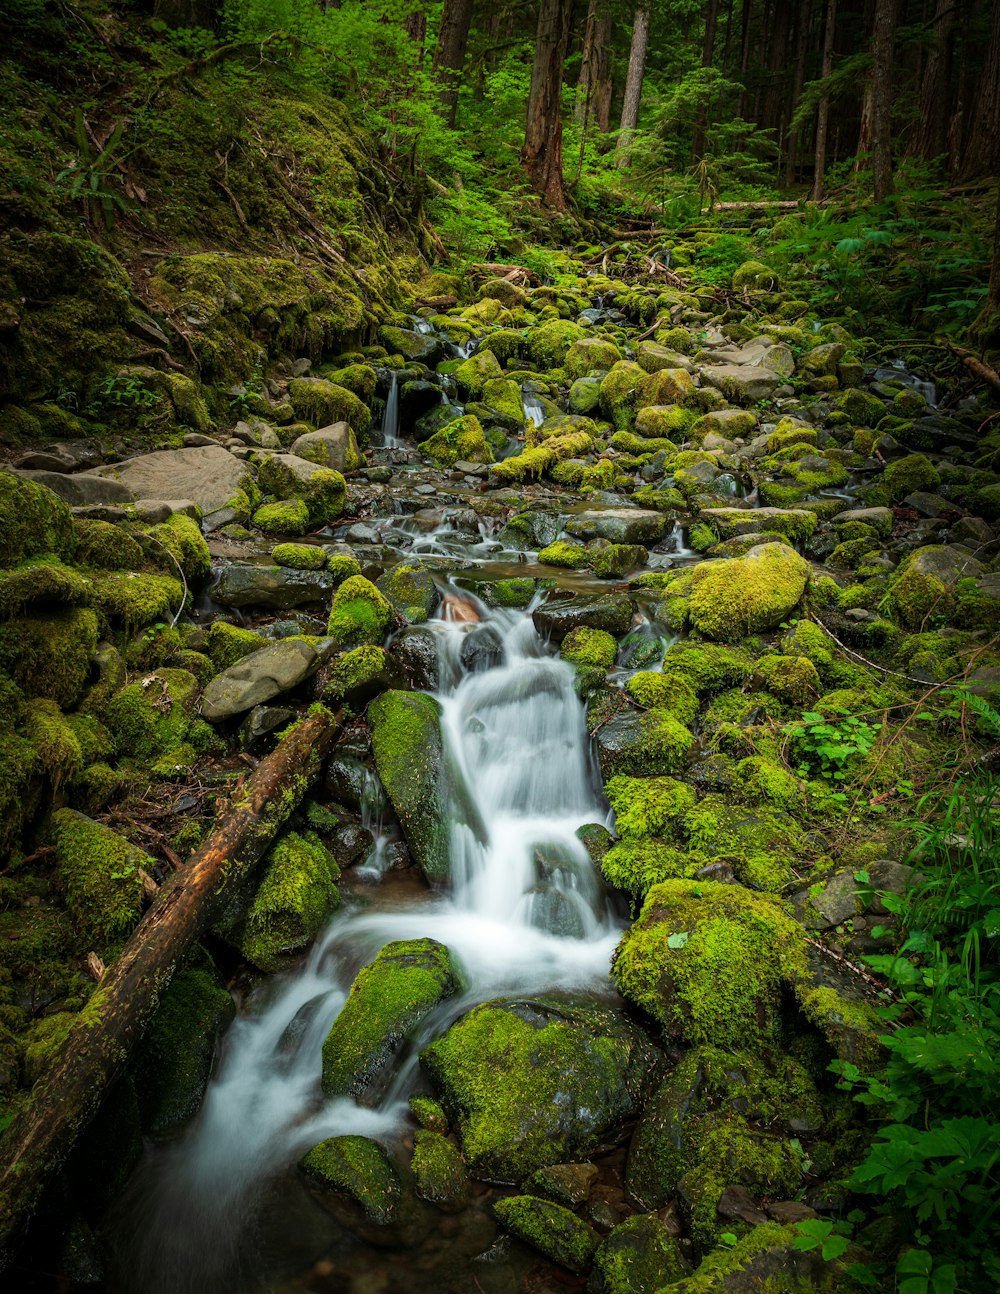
<point>823,110</point>
<point>633,82</point>
<point>883,52</point>
<point>707,54</point>
<point>36,1145</point>
<point>453,40</point>
<point>594,101</point>
<point>801,56</point>
<point>982,152</point>
<point>777,64</point>
<point>930,133</point>
<point>541,155</point>
<point>745,17</point>
<point>415,25</point>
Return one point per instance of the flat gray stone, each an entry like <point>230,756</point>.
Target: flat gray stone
<point>206,474</point>
<point>743,383</point>
<point>155,510</point>
<point>83,488</point>
<point>619,525</point>
<point>273,588</point>
<point>257,678</point>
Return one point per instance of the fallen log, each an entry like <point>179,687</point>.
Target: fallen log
<point>510,272</point>
<point>39,1140</point>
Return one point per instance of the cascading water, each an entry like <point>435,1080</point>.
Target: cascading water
<point>533,411</point>
<point>390,419</point>
<point>525,913</point>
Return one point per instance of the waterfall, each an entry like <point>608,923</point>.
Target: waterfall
<point>533,411</point>
<point>526,912</point>
<point>390,419</point>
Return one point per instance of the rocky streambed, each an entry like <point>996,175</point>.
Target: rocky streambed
<point>540,986</point>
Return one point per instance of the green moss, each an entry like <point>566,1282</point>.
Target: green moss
<point>42,580</point>
<point>549,344</point>
<point>707,667</point>
<point>852,1028</point>
<point>323,403</point>
<point>664,692</point>
<point>755,276</point>
<point>708,961</point>
<point>636,866</point>
<point>902,477</point>
<point>100,872</point>
<point>137,598</point>
<point>793,679</point>
<point>182,538</point>
<point>174,1061</point>
<point>106,547</point>
<point>359,614</point>
<point>620,394</point>
<point>648,806</point>
<point>411,589</point>
<point>228,644</point>
<point>439,1172</point>
<point>343,566</point>
<point>297,894</point>
<point>388,1000</point>
<point>616,560</point>
<point>428,1113</point>
<point>300,557</point>
<point>738,596</point>
<point>49,655</point>
<point>288,517</point>
<point>152,716</point>
<point>796,524</point>
<point>359,1168</point>
<point>533,463</point>
<point>32,520</point>
<point>762,781</point>
<point>592,648</point>
<point>640,1254</point>
<point>565,554</point>
<point>357,675</point>
<point>461,440</point>
<point>473,374</point>
<point>553,1230</point>
<point>58,748</point>
<point>658,743</point>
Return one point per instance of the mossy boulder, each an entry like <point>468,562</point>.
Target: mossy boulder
<point>323,403</point>
<point>473,374</point>
<point>410,761</point>
<point>174,1062</point>
<point>645,743</point>
<point>359,614</point>
<point>571,556</point>
<point>754,276</point>
<point>226,644</point>
<point>439,1172</point>
<point>793,679</point>
<point>653,690</point>
<point>638,1256</point>
<point>901,477</point>
<point>101,873</point>
<point>299,557</point>
<point>620,394</point>
<point>549,344</point>
<point>389,999</point>
<point>709,962</point>
<point>502,396</point>
<point>106,546</point>
<point>181,537</point>
<point>136,598</point>
<point>735,597</point>
<point>150,717</point>
<point>768,1258</point>
<point>551,1229</point>
<point>32,520</point>
<point>43,580</point>
<point>411,589</point>
<point>925,590</point>
<point>360,1169</point>
<point>50,654</point>
<point>459,441</point>
<point>294,899</point>
<point>534,1082</point>
<point>590,354</point>
<point>286,517</point>
<point>648,806</point>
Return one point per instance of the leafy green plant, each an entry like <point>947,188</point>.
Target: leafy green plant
<point>122,391</point>
<point>828,746</point>
<point>91,177</point>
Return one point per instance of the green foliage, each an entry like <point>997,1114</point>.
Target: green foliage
<point>829,746</point>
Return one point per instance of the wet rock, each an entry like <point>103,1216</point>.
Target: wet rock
<point>415,653</point>
<point>973,531</point>
<point>619,525</point>
<point>736,1204</point>
<point>612,613</point>
<point>344,781</point>
<point>482,649</point>
<point>354,1179</point>
<point>532,1082</point>
<point>788,1212</point>
<point>424,347</point>
<point>554,911</point>
<point>568,1184</point>
<point>411,589</point>
<point>257,678</point>
<point>271,588</point>
<point>351,844</point>
<point>261,722</point>
<point>439,1172</point>
<point>638,1256</point>
<point>209,475</point>
<point>549,1228</point>
<point>388,1000</point>
<point>643,743</point>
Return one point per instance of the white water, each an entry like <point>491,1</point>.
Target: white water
<point>516,735</point>
<point>390,419</point>
<point>533,411</point>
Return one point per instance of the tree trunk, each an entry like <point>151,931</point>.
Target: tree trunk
<point>883,51</point>
<point>453,39</point>
<point>36,1145</point>
<point>541,155</point>
<point>415,24</point>
<point>744,53</point>
<point>707,54</point>
<point>930,131</point>
<point>801,55</point>
<point>594,100</point>
<point>982,152</point>
<point>633,82</point>
<point>823,110</point>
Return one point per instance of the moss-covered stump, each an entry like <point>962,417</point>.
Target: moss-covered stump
<point>410,761</point>
<point>174,1062</point>
<point>102,876</point>
<point>745,595</point>
<point>638,1256</point>
<point>359,614</point>
<point>709,961</point>
<point>549,1228</point>
<point>533,1082</point>
<point>388,1000</point>
<point>439,1172</point>
<point>297,894</point>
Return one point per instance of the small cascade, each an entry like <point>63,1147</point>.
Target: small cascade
<point>898,373</point>
<point>390,419</point>
<point>678,544</point>
<point>525,913</point>
<point>533,411</point>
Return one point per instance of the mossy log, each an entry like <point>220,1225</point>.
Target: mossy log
<point>36,1145</point>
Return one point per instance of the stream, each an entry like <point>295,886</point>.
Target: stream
<point>515,734</point>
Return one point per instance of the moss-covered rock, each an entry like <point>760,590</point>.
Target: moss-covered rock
<point>300,557</point>
<point>564,553</point>
<point>411,589</point>
<point>549,344</point>
<point>106,546</point>
<point>620,394</point>
<point>709,961</point>
<point>286,517</point>
<point>322,403</point>
<point>226,644</point>
<point>136,598</point>
<point>183,540</point>
<point>648,806</point>
<point>150,717</point>
<point>739,596</point>
<point>548,1227</point>
<point>388,1000</point>
<point>791,678</point>
<point>755,276</point>
<point>651,742</point>
<point>359,614</point>
<point>709,668</point>
<point>925,591</point>
<point>439,1172</point>
<point>461,440</point>
<point>660,691</point>
<point>533,1082</point>
<point>50,654</point>
<point>638,1256</point>
<point>42,580</point>
<point>590,648</point>
<point>590,354</point>
<point>410,760</point>
<point>296,895</point>
<point>101,874</point>
<point>360,1169</point>
<point>902,477</point>
<point>32,520</point>
<point>473,374</point>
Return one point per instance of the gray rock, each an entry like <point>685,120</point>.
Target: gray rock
<point>40,460</point>
<point>415,652</point>
<point>155,510</point>
<point>195,440</point>
<point>928,505</point>
<point>207,474</point>
<point>742,383</point>
<point>880,519</point>
<point>83,488</point>
<point>334,446</point>
<point>261,722</point>
<point>612,612</point>
<point>973,531</point>
<point>619,525</point>
<point>257,678</point>
<point>738,1205</point>
<point>272,588</point>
